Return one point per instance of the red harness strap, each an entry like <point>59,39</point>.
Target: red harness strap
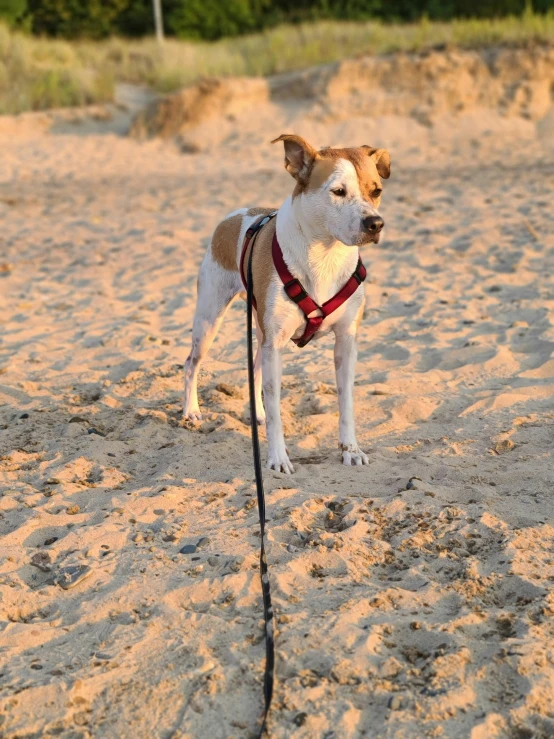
<point>295,290</point>
<point>307,305</point>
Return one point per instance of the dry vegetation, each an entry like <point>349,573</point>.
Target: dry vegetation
<point>38,73</point>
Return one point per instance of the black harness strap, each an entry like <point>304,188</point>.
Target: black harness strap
<point>268,609</point>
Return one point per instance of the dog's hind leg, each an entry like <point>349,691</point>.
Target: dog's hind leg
<point>216,288</point>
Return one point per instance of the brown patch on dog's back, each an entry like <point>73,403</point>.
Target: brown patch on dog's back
<point>262,262</point>
<point>226,236</point>
<point>262,265</point>
<point>260,211</point>
<point>224,242</point>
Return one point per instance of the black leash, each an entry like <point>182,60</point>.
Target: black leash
<point>268,608</point>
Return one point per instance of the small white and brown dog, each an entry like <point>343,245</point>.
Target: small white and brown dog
<point>332,211</point>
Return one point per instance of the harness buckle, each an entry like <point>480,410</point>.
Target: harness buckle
<point>298,296</point>
<point>360,273</point>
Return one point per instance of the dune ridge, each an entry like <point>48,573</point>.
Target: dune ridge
<point>513,81</point>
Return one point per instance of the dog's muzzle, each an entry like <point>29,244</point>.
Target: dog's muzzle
<point>372,226</point>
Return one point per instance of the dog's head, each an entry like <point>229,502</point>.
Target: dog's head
<point>340,188</point>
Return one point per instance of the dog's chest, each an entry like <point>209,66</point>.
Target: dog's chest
<point>345,314</point>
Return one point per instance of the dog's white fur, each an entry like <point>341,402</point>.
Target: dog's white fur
<point>317,229</point>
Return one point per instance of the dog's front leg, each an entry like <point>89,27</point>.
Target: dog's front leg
<point>277,457</point>
<point>260,412</point>
<point>345,364</point>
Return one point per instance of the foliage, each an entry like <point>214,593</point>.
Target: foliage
<point>12,12</point>
<point>39,73</point>
<point>216,19</point>
<point>212,19</point>
<point>74,18</point>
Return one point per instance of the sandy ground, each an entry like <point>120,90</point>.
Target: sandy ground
<point>403,609</point>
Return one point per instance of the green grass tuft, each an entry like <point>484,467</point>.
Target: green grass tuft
<point>37,73</point>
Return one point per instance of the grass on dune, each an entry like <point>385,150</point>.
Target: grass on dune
<point>39,73</point>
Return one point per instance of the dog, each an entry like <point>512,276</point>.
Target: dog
<point>332,211</point>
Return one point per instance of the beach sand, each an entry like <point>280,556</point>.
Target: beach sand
<point>413,597</point>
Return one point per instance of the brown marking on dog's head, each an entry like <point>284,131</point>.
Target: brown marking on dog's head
<point>311,168</point>
<point>224,242</point>
<point>381,157</point>
<point>322,169</point>
<point>370,165</point>
<point>343,185</point>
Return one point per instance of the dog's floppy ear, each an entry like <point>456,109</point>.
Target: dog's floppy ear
<point>299,156</point>
<point>381,157</point>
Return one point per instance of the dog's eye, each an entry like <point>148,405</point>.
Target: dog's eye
<point>377,192</point>
<point>339,192</point>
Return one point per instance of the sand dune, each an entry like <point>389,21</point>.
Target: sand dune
<point>414,596</point>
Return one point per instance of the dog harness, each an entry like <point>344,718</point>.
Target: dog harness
<point>293,287</point>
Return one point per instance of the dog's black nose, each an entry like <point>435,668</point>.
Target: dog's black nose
<point>373,224</point>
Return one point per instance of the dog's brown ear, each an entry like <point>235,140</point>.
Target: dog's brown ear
<point>299,155</point>
<point>381,157</point>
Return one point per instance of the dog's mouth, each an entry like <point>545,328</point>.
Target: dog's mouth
<point>368,238</point>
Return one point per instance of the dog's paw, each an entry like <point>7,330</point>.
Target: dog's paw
<point>280,463</point>
<point>193,415</point>
<point>260,416</point>
<point>353,455</point>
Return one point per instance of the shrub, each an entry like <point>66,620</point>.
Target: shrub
<point>212,19</point>
<point>216,19</point>
<point>74,18</point>
<point>12,12</point>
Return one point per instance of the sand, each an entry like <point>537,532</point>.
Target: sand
<point>413,597</point>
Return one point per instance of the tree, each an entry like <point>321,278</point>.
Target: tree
<point>12,12</point>
<point>71,18</point>
<point>213,19</point>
